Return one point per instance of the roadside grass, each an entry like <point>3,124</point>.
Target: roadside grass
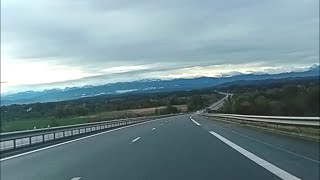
<point>303,132</point>
<point>38,123</point>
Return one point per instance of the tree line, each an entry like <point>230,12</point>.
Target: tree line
<point>286,100</point>
<point>194,99</point>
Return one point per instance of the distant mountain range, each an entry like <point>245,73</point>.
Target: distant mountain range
<point>69,93</point>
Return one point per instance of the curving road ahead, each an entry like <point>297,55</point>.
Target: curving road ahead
<point>171,148</point>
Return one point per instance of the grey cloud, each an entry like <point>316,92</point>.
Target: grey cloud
<point>91,33</point>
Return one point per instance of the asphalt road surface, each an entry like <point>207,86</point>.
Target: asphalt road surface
<point>171,148</point>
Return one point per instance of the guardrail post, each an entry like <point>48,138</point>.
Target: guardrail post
<point>14,144</point>
<point>42,137</point>
<point>30,140</point>
<point>54,135</point>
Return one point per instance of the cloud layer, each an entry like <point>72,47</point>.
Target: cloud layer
<point>65,40</point>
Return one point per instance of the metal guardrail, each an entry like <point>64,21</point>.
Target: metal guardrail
<point>20,139</point>
<point>285,120</point>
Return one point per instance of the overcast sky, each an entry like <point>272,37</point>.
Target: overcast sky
<point>59,43</point>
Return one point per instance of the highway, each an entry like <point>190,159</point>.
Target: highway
<point>180,147</point>
<point>218,104</point>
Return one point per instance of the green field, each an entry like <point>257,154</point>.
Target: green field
<point>38,123</point>
<point>27,124</point>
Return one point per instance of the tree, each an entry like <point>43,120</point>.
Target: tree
<point>262,105</point>
<point>59,113</point>
<point>227,106</point>
<point>277,108</point>
<point>171,109</point>
<point>81,110</point>
<point>196,102</point>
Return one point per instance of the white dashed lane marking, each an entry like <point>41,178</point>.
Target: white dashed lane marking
<point>76,178</point>
<point>135,140</point>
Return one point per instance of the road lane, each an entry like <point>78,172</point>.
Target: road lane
<point>265,164</point>
<point>297,156</point>
<point>67,161</point>
<point>177,149</point>
<point>181,150</point>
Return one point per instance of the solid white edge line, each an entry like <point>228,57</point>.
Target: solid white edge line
<point>194,121</point>
<point>136,139</point>
<point>265,164</point>
<point>74,140</point>
<point>265,143</point>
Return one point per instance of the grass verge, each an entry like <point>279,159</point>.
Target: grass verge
<point>310,133</point>
<point>38,123</point>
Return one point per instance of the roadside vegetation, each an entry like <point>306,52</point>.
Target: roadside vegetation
<point>297,98</point>
<point>100,108</point>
